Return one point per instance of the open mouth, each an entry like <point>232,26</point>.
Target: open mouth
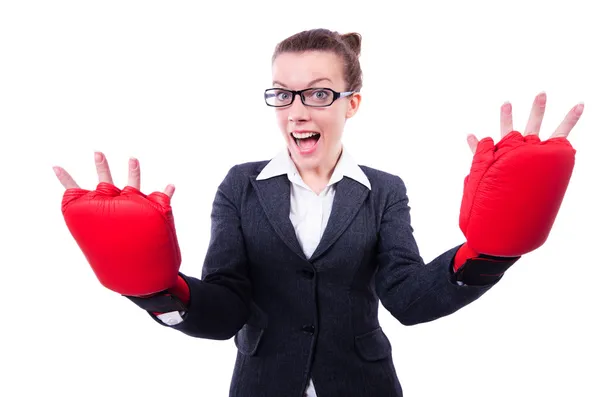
<point>306,140</point>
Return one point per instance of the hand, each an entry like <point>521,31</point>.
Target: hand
<point>535,121</point>
<point>104,175</point>
<point>128,238</point>
<point>509,201</point>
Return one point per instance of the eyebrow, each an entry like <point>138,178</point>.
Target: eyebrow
<point>275,82</point>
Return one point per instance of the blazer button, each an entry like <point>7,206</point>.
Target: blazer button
<point>309,329</point>
<point>307,273</point>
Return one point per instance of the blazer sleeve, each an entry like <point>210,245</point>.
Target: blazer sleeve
<point>220,301</point>
<point>412,291</point>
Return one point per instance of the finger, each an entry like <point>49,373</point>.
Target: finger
<point>506,121</point>
<point>65,179</point>
<point>134,179</point>
<point>473,142</point>
<point>569,122</point>
<point>170,191</point>
<point>102,168</point>
<point>534,124</point>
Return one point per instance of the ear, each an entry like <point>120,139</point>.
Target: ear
<point>353,105</point>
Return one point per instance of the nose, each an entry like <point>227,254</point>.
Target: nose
<point>297,112</point>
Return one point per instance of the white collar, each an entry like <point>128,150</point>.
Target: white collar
<point>346,167</point>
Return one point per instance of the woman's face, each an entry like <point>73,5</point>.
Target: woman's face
<point>297,122</point>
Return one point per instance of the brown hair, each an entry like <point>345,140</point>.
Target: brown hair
<point>346,46</point>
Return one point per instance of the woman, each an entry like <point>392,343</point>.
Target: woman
<point>304,246</point>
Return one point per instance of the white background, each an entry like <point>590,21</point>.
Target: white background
<point>179,85</point>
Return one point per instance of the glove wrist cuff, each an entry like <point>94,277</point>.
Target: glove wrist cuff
<point>483,270</point>
<point>163,302</point>
<point>176,298</point>
<point>462,255</point>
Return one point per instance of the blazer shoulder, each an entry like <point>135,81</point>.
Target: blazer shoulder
<point>239,174</point>
<point>383,182</point>
<point>248,169</point>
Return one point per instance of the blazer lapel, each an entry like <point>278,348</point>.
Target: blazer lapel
<point>274,197</point>
<point>349,197</point>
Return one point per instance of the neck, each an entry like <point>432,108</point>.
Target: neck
<point>318,177</point>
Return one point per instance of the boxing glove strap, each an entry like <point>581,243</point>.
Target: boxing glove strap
<point>163,302</point>
<point>483,269</point>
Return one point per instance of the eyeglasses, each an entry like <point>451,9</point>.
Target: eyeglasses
<point>313,97</point>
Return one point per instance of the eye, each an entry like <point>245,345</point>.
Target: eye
<point>320,95</point>
<point>282,95</point>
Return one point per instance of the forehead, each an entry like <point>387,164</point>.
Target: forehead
<point>298,70</point>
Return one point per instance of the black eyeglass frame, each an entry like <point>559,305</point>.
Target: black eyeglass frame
<point>336,96</point>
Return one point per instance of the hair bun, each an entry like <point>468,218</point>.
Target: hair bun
<point>353,40</point>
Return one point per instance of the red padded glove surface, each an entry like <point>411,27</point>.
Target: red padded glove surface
<point>127,237</point>
<point>513,193</point>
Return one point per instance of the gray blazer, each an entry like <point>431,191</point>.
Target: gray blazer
<point>293,318</point>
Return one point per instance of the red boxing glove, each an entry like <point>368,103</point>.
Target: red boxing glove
<point>512,195</point>
<point>128,238</point>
